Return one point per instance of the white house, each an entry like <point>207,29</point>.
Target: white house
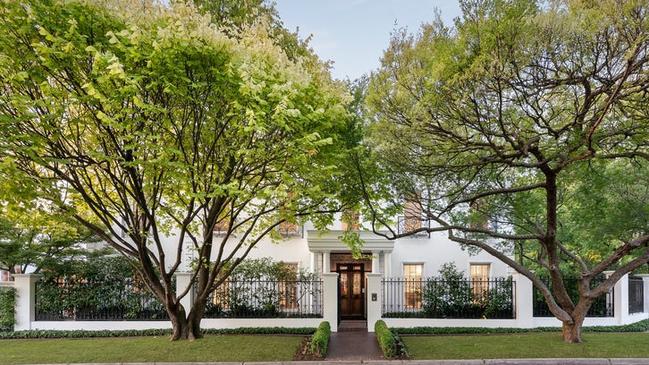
<point>390,282</point>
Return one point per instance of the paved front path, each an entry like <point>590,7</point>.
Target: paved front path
<point>353,345</point>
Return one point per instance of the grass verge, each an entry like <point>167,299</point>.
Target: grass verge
<point>149,349</point>
<point>526,345</point>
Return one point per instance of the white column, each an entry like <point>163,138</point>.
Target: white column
<point>373,300</point>
<point>312,262</point>
<point>330,299</point>
<point>326,261</point>
<point>620,298</point>
<point>645,289</point>
<point>25,285</point>
<point>183,280</point>
<point>375,262</point>
<point>524,302</point>
<point>387,264</point>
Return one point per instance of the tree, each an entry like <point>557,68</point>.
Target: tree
<point>154,129</point>
<point>498,124</point>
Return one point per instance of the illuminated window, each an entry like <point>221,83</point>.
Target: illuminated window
<point>288,287</point>
<point>412,219</point>
<point>413,285</point>
<point>289,229</point>
<point>479,280</point>
<point>350,220</point>
<point>221,227</point>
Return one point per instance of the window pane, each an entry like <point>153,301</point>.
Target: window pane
<point>413,285</point>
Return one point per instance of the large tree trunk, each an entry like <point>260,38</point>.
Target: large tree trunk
<point>572,330</point>
<point>182,328</point>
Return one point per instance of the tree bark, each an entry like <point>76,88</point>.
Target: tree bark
<point>182,328</point>
<point>572,330</point>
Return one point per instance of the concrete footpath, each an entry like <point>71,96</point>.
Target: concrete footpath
<point>644,361</point>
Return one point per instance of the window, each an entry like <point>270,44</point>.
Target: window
<point>350,220</point>
<point>289,229</point>
<point>288,286</point>
<point>478,217</point>
<point>413,285</point>
<point>412,218</point>
<point>479,280</point>
<point>221,227</point>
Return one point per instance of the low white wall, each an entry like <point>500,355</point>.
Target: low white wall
<point>205,323</point>
<point>448,322</point>
<point>99,325</point>
<point>591,321</point>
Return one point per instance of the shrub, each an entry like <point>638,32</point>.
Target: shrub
<point>33,334</point>
<point>320,340</point>
<point>387,340</point>
<point>7,308</point>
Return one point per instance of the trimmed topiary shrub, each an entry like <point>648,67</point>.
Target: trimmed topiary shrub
<point>7,309</point>
<point>320,340</point>
<point>387,340</point>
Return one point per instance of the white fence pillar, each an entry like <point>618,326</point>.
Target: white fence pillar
<point>183,280</point>
<point>374,300</point>
<point>25,285</point>
<point>524,301</point>
<point>645,289</point>
<point>620,299</point>
<point>330,299</point>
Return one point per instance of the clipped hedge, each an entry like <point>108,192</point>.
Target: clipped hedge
<point>7,309</point>
<point>153,332</point>
<point>640,326</point>
<point>387,340</point>
<point>319,343</point>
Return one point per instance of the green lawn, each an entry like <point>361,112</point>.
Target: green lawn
<point>149,349</point>
<point>526,345</point>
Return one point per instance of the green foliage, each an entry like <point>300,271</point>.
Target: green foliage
<point>100,287</point>
<point>7,308</point>
<point>640,326</point>
<point>153,332</point>
<point>320,340</point>
<point>387,340</point>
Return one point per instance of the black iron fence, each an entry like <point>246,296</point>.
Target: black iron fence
<point>636,295</point>
<point>434,298</point>
<point>601,307</point>
<point>266,299</point>
<point>61,299</point>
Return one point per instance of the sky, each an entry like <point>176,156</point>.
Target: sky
<point>354,33</point>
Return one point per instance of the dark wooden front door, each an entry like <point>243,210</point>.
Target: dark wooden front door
<point>351,289</point>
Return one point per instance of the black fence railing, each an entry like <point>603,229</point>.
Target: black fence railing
<point>636,295</point>
<point>266,299</point>
<point>408,224</point>
<point>434,298</point>
<point>601,307</point>
<point>81,300</point>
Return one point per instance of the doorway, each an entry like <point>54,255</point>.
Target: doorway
<point>351,290</point>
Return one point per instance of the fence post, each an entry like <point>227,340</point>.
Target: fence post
<point>620,298</point>
<point>524,298</point>
<point>645,290</point>
<point>330,299</point>
<point>25,285</point>
<point>183,280</point>
<point>374,300</point>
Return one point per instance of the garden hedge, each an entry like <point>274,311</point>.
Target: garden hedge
<point>640,326</point>
<point>7,312</point>
<point>153,332</point>
<point>320,340</point>
<point>387,340</point>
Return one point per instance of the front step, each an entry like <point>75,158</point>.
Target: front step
<point>352,326</point>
